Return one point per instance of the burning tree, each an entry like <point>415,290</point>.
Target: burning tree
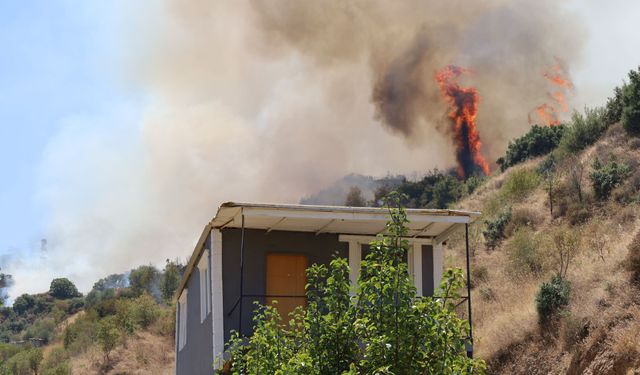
<point>464,110</point>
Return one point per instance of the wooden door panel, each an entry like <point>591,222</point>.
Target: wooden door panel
<point>286,276</point>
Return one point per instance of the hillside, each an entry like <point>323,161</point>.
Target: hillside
<point>597,332</point>
<point>124,325</point>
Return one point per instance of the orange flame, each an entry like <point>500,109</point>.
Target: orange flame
<point>547,113</point>
<point>464,110</point>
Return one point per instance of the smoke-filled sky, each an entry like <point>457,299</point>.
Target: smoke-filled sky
<point>125,124</point>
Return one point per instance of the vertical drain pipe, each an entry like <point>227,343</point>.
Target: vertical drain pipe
<point>241,272</point>
<point>469,343</point>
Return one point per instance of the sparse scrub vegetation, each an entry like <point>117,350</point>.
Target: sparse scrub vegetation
<point>633,259</point>
<point>520,183</point>
<point>524,252</point>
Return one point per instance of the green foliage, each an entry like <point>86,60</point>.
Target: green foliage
<point>170,279</point>
<point>584,130</point>
<point>56,362</point>
<point>5,281</point>
<point>25,362</point>
<point>63,288</point>
<point>494,232</point>
<point>61,369</point>
<point>384,329</point>
<point>81,334</point>
<point>540,140</point>
<point>143,279</point>
<point>107,336</point>
<point>23,303</point>
<point>613,109</point>
<point>606,177</point>
<point>519,184</point>
<point>551,298</point>
<point>633,259</point>
<point>524,253</point>
<point>146,311</point>
<point>630,117</point>
<point>43,328</point>
<point>436,190</point>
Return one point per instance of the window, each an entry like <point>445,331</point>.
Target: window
<point>182,320</point>
<point>205,286</point>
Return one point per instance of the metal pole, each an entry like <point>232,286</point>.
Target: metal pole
<point>241,274</point>
<point>470,346</point>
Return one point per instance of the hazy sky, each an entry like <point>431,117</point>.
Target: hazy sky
<point>64,69</point>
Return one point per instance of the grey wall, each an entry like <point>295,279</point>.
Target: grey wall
<point>197,355</point>
<point>318,249</point>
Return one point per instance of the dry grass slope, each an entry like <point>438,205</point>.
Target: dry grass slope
<point>599,331</point>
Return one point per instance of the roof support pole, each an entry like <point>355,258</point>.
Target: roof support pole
<point>470,341</point>
<point>241,274</point>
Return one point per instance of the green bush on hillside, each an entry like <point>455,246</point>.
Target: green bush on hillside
<point>606,177</point>
<point>494,232</point>
<point>540,140</point>
<point>23,303</point>
<point>551,298</point>
<point>524,253</point>
<point>630,117</point>
<point>584,130</point>
<point>520,183</point>
<point>63,288</point>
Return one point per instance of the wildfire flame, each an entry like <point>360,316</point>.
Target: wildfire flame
<point>559,79</point>
<point>464,110</point>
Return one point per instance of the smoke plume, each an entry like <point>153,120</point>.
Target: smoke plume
<point>270,101</point>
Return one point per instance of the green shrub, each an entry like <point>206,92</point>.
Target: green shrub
<point>63,288</point>
<point>494,232</point>
<point>540,140</point>
<point>146,310</point>
<point>524,253</point>
<point>41,329</point>
<point>81,334</point>
<point>613,111</point>
<point>144,279</point>
<point>584,130</point>
<point>23,303</point>
<point>56,357</point>
<point>631,104</point>
<point>633,259</point>
<point>125,316</point>
<point>107,335</point>
<point>26,362</point>
<point>520,183</point>
<point>606,177</point>
<point>551,298</point>
<point>63,368</point>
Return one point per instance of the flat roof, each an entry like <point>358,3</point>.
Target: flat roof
<point>436,224</point>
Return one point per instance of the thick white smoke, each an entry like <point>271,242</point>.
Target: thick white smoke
<point>270,101</point>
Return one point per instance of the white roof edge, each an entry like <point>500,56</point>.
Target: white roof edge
<point>348,209</point>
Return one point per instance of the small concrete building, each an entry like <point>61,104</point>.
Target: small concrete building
<point>259,252</point>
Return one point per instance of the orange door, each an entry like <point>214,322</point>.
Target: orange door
<point>286,276</point>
